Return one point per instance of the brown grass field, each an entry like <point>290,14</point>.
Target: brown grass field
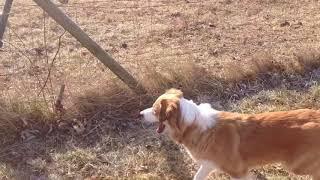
<point>245,56</point>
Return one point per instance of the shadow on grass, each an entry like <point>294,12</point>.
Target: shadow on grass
<point>113,110</point>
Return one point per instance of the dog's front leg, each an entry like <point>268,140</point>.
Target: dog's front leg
<point>204,170</point>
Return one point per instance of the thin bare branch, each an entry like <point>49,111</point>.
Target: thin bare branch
<point>52,63</point>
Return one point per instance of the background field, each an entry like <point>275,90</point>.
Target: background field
<point>244,56</point>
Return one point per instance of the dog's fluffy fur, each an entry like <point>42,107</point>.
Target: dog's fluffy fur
<point>233,142</point>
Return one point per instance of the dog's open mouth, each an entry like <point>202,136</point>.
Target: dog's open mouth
<point>160,128</point>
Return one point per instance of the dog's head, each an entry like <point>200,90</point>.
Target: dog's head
<point>165,111</point>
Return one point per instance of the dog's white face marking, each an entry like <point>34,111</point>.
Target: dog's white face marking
<point>149,115</point>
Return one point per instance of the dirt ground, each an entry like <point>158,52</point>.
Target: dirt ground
<point>147,37</point>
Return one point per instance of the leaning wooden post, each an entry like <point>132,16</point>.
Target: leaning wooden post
<point>4,19</point>
<point>61,18</point>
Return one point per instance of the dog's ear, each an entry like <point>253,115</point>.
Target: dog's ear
<point>168,109</point>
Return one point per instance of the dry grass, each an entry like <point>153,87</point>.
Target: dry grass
<point>251,56</point>
<point>107,142</point>
<point>9,125</point>
<point>16,117</point>
<point>307,60</point>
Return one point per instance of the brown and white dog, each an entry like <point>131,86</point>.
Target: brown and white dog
<point>235,143</point>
